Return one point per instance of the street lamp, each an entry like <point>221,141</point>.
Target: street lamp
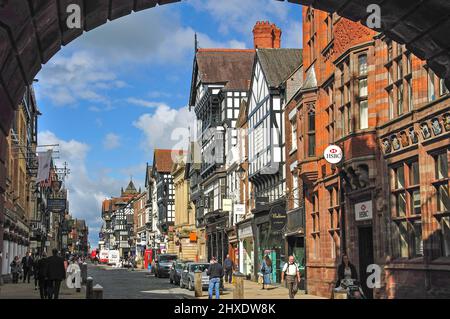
<point>241,172</point>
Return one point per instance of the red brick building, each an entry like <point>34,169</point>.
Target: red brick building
<point>390,116</point>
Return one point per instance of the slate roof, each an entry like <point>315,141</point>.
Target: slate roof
<point>232,67</point>
<point>279,64</point>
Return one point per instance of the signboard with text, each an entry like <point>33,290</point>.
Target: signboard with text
<point>278,218</point>
<point>363,210</point>
<point>57,201</point>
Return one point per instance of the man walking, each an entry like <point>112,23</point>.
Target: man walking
<point>229,267</point>
<point>27,266</point>
<point>215,273</point>
<point>55,274</point>
<point>42,276</point>
<point>291,274</point>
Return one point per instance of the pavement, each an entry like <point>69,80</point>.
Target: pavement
<point>124,283</point>
<point>26,291</point>
<point>253,290</point>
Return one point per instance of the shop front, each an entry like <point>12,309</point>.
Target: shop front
<point>295,240</point>
<point>269,223</point>
<point>246,249</point>
<point>217,239</point>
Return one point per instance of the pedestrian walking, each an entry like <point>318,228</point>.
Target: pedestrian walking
<point>215,273</point>
<point>74,275</point>
<point>42,276</point>
<point>291,274</point>
<point>35,271</point>
<point>228,265</point>
<point>55,274</point>
<point>266,270</point>
<point>15,269</point>
<point>27,266</point>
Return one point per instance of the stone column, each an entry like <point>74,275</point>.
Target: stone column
<point>198,283</point>
<point>11,254</point>
<point>238,292</point>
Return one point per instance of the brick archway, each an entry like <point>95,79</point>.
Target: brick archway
<point>32,31</point>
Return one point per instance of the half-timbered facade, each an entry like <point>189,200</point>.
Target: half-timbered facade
<point>219,85</point>
<point>266,149</point>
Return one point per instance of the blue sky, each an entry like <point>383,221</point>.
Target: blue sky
<point>115,93</point>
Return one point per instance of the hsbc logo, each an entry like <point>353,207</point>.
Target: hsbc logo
<point>333,154</point>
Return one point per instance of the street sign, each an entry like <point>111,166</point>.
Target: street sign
<point>227,205</point>
<point>278,218</point>
<point>333,154</point>
<point>363,210</point>
<point>239,209</point>
<point>57,201</point>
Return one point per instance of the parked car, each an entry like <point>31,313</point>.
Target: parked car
<point>188,275</point>
<point>162,265</point>
<point>175,271</point>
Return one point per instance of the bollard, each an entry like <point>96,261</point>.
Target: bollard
<point>83,273</point>
<point>198,283</point>
<point>238,292</point>
<point>97,292</point>
<point>89,284</point>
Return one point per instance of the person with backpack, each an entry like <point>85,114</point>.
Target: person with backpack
<point>291,274</point>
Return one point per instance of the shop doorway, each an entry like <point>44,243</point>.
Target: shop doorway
<point>365,239</point>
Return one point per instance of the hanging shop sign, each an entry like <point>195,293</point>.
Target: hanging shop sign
<point>239,209</point>
<point>363,210</point>
<point>333,154</point>
<point>278,218</point>
<point>56,202</point>
<point>227,205</point>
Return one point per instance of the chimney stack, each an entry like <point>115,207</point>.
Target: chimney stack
<point>266,35</point>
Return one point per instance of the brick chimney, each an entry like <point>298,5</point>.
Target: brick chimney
<point>266,35</point>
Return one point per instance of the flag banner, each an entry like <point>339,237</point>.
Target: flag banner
<point>44,161</point>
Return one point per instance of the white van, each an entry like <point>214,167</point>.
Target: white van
<point>114,257</point>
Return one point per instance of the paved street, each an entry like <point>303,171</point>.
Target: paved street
<point>121,283</point>
<point>126,284</point>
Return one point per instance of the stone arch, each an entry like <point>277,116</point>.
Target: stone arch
<point>32,31</point>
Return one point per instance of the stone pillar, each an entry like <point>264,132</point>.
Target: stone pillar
<point>5,252</point>
<point>11,254</point>
<point>241,255</point>
<point>97,292</point>
<point>198,283</point>
<point>83,273</point>
<point>238,292</point>
<point>89,285</point>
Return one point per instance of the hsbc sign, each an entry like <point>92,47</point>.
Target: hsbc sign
<point>363,210</point>
<point>333,154</point>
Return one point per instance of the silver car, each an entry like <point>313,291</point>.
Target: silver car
<point>187,275</point>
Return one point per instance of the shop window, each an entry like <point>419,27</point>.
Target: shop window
<point>445,236</point>
<point>406,208</point>
<point>311,134</point>
<point>431,93</point>
<point>441,182</point>
<point>442,88</point>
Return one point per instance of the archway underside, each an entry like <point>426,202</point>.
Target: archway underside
<point>32,31</point>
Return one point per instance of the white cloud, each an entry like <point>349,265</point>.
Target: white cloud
<point>166,128</point>
<point>79,76</point>
<point>111,141</point>
<point>145,103</point>
<point>151,36</point>
<point>86,189</point>
<point>241,15</point>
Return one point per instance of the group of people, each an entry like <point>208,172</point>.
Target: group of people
<point>48,272</point>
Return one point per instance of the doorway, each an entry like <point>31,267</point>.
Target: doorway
<point>365,257</point>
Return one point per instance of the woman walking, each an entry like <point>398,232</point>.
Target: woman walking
<point>266,270</point>
<point>15,270</point>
